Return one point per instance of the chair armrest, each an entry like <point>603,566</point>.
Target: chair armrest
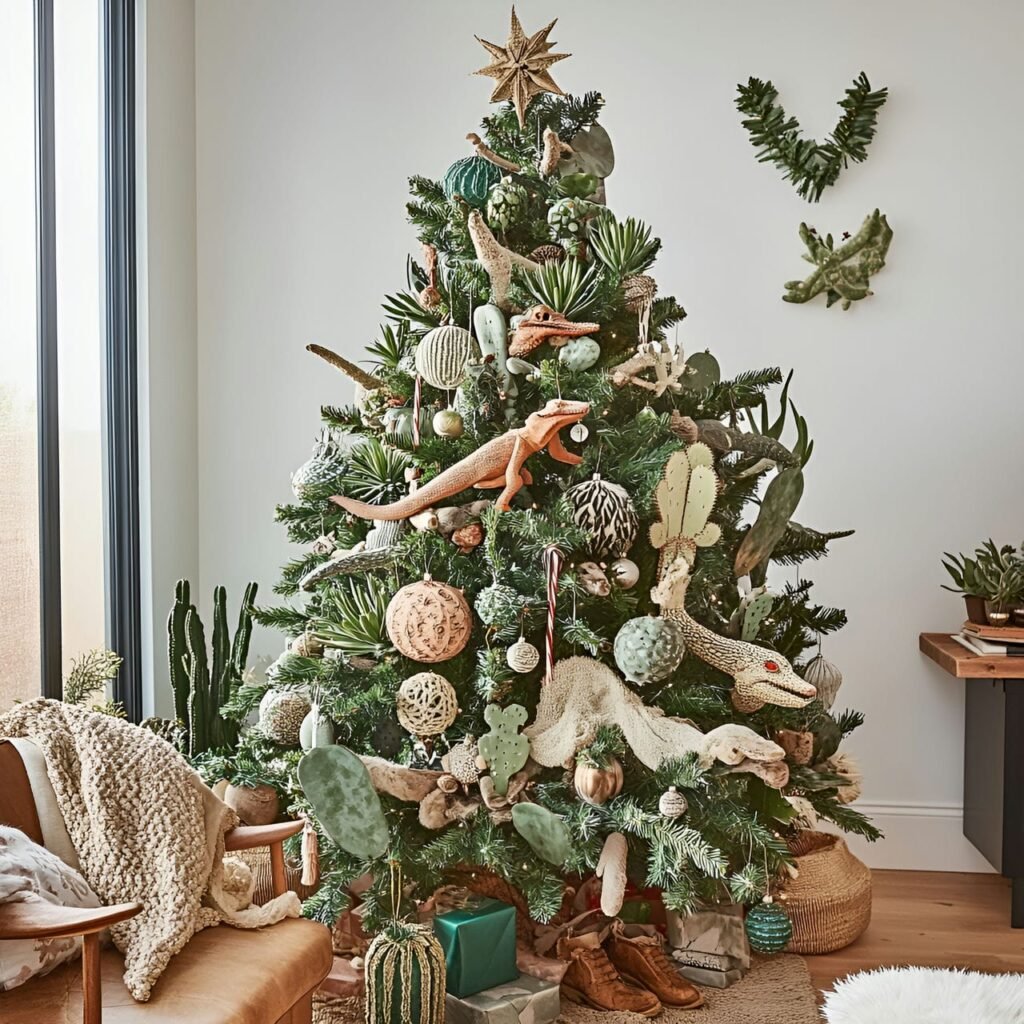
<point>38,920</point>
<point>249,837</point>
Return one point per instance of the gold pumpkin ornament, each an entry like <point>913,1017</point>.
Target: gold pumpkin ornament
<point>429,621</point>
<point>426,704</point>
<point>596,786</point>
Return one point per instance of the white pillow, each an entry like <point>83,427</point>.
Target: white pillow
<point>29,872</point>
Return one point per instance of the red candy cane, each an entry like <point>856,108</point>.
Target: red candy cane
<point>553,561</point>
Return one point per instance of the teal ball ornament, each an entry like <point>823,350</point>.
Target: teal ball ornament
<point>768,927</point>
<point>579,354</point>
<point>472,177</point>
<point>498,605</point>
<point>505,204</point>
<point>649,648</point>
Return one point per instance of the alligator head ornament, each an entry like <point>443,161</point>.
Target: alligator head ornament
<point>541,324</point>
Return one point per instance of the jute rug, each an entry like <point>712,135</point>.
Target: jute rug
<point>777,990</point>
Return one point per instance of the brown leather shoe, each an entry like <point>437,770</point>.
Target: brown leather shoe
<point>592,980</point>
<point>642,960</point>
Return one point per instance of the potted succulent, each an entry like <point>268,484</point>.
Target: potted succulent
<point>992,582</point>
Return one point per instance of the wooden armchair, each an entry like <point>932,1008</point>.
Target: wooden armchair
<point>223,976</point>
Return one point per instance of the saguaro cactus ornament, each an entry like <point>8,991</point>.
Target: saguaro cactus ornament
<point>685,499</point>
<point>503,748</point>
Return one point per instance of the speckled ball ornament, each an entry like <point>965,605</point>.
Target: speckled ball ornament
<point>429,621</point>
<point>460,761</point>
<point>498,605</point>
<point>472,177</point>
<point>522,656</point>
<point>606,510</point>
<point>579,354</point>
<point>281,715</point>
<point>649,648</point>
<point>624,573</point>
<point>505,204</point>
<point>567,218</point>
<point>768,927</point>
<point>672,803</point>
<point>443,354</point>
<point>448,423</point>
<point>426,704</point>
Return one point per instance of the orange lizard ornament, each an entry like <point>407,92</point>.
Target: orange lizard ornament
<point>542,323</point>
<point>498,463</point>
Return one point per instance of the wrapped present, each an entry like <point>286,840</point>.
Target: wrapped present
<point>479,943</point>
<point>710,947</point>
<point>527,1000</point>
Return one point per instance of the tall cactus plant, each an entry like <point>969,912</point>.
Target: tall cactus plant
<point>203,685</point>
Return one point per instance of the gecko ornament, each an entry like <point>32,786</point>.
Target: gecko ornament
<point>498,463</point>
<point>761,676</point>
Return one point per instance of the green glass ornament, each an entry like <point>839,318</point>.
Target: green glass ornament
<point>505,204</point>
<point>769,928</point>
<point>472,177</point>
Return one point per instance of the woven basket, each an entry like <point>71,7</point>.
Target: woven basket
<point>829,901</point>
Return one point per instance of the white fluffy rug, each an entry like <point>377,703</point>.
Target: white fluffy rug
<point>922,995</point>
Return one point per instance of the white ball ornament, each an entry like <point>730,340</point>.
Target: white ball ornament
<point>579,432</point>
<point>579,353</point>
<point>672,803</point>
<point>522,656</point>
<point>442,356</point>
<point>426,704</point>
<point>624,573</point>
<point>448,423</point>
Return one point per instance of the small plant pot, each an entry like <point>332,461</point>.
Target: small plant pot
<point>1018,615</point>
<point>975,609</point>
<point>996,614</point>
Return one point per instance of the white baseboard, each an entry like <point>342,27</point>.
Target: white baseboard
<point>921,837</point>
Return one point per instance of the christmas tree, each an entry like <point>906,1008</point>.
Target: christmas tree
<point>532,591</point>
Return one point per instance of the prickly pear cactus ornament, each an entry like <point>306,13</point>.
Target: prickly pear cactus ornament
<point>825,678</point>
<point>426,704</point>
<point>546,833</point>
<point>506,203</point>
<point>443,354</point>
<point>568,217</point>
<point>685,499</point>
<point>768,927</point>
<point>281,716</point>
<point>498,605</point>
<point>522,656</point>
<point>649,648</point>
<point>579,353</point>
<point>781,497</point>
<point>842,272</point>
<point>472,177</point>
<point>756,609</point>
<point>504,748</point>
<point>702,372</point>
<point>606,510</point>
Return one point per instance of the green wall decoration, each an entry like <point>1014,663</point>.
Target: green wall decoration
<point>811,165</point>
<point>842,272</point>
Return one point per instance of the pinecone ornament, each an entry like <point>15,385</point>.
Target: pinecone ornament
<point>550,253</point>
<point>505,204</point>
<point>638,291</point>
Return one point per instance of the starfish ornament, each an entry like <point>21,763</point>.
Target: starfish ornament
<point>520,67</point>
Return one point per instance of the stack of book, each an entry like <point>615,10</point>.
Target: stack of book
<point>994,641</point>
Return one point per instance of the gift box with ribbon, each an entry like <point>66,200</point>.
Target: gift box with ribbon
<point>479,943</point>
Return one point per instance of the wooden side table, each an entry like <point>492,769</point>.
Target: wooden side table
<point>993,756</point>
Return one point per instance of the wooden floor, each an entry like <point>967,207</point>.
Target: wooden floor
<point>931,919</point>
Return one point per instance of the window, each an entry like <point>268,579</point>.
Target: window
<point>68,464</point>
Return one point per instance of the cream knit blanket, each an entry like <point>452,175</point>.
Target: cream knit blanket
<point>144,826</point>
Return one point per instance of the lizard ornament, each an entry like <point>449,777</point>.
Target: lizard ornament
<point>498,463</point>
<point>541,324</point>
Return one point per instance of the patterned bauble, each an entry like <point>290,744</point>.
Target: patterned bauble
<point>442,355</point>
<point>672,803</point>
<point>460,761</point>
<point>579,353</point>
<point>607,511</point>
<point>506,203</point>
<point>649,648</point>
<point>281,715</point>
<point>624,573</point>
<point>426,704</point>
<point>448,423</point>
<point>638,291</point>
<point>472,177</point>
<point>327,464</point>
<point>567,218</point>
<point>498,605</point>
<point>579,432</point>
<point>429,621</point>
<point>522,656</point>
<point>550,253</point>
<point>825,678</point>
<point>768,927</point>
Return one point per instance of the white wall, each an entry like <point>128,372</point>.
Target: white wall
<point>310,116</point>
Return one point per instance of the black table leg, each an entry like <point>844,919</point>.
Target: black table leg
<point>1017,904</point>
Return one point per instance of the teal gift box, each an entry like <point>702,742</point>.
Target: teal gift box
<point>479,943</point>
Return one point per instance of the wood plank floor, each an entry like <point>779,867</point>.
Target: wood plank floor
<point>931,919</point>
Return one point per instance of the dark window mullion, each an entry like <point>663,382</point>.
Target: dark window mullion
<point>48,439</point>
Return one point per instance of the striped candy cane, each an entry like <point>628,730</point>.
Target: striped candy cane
<point>553,561</point>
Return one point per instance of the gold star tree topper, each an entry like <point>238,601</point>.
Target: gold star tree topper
<point>520,67</point>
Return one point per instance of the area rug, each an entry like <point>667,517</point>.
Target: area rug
<point>924,995</point>
<point>777,990</point>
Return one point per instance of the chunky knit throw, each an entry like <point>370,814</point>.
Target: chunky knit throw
<point>143,824</point>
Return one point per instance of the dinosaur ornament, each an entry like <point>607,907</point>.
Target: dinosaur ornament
<point>498,463</point>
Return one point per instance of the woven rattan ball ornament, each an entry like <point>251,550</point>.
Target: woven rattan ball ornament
<point>672,803</point>
<point>442,356</point>
<point>460,761</point>
<point>825,678</point>
<point>281,715</point>
<point>768,927</point>
<point>607,511</point>
<point>426,704</point>
<point>429,621</point>
<point>522,656</point>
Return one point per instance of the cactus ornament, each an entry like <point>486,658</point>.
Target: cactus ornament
<point>685,499</point>
<point>547,833</point>
<point>504,748</point>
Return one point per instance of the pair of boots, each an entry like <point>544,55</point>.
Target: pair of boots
<point>612,970</point>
